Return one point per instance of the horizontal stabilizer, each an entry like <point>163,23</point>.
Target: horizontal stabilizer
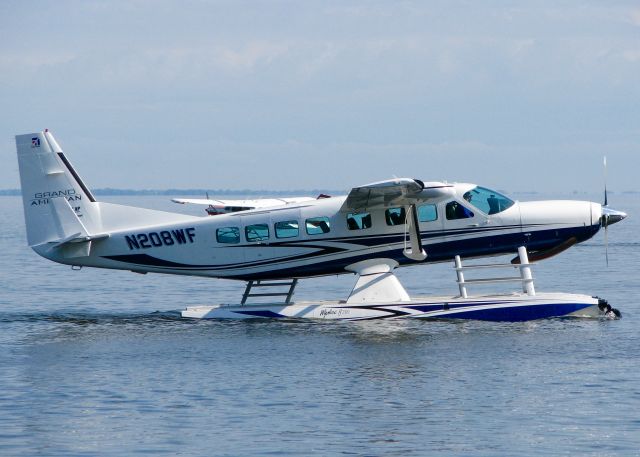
<point>77,238</point>
<point>74,239</point>
<point>66,220</point>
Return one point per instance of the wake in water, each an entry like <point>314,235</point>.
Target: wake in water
<point>93,318</point>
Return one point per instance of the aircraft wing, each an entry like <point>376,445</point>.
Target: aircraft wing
<point>396,192</point>
<point>215,207</point>
<point>196,201</point>
<point>254,203</point>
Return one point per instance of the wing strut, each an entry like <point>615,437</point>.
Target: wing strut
<point>413,250</point>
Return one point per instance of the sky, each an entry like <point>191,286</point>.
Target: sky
<point>277,95</point>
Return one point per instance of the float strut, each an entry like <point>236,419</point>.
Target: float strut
<point>461,283</point>
<point>525,272</point>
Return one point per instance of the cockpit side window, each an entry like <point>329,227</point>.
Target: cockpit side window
<point>488,201</point>
<point>455,210</point>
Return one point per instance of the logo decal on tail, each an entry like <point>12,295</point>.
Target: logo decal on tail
<point>35,142</point>
<point>42,198</point>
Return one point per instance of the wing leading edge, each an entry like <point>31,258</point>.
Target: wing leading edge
<point>215,207</point>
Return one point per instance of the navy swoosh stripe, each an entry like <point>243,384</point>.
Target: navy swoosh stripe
<point>437,252</point>
<point>390,312</point>
<point>372,240</point>
<point>146,259</point>
<point>261,313</point>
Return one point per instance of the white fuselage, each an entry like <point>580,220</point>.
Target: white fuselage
<point>316,238</point>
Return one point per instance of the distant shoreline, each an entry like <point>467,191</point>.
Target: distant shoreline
<point>250,192</point>
<point>203,192</point>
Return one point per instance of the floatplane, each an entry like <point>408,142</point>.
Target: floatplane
<point>271,245</point>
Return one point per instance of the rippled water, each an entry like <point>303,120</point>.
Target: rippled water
<point>99,363</point>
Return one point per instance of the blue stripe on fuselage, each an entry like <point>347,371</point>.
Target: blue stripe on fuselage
<point>437,252</point>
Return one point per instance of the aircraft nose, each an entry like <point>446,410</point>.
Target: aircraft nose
<point>611,216</point>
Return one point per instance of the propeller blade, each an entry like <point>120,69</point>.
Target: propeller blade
<point>609,216</point>
<point>606,239</point>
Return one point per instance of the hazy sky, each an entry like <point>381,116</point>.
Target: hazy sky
<point>282,95</point>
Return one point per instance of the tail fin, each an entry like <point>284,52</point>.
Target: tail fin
<point>57,204</point>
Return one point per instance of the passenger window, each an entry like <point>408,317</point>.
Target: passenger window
<point>358,221</point>
<point>395,216</point>
<point>318,225</point>
<point>228,235</point>
<point>286,229</point>
<point>257,232</point>
<point>427,213</point>
<point>455,210</point>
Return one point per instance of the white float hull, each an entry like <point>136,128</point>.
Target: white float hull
<point>512,307</point>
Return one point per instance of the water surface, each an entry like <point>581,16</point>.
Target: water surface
<point>98,362</point>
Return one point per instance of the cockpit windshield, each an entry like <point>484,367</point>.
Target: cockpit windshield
<point>488,201</point>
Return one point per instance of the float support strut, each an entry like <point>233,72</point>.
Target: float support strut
<point>525,272</point>
<point>461,283</point>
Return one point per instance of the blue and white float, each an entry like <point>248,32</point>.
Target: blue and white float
<point>379,295</point>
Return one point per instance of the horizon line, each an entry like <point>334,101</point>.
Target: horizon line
<point>109,191</point>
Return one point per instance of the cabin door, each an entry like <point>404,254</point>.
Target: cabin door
<point>465,228</point>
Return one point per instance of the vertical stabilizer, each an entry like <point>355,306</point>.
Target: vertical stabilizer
<point>57,204</point>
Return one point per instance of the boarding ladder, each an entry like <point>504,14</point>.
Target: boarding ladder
<point>525,276</point>
<point>263,283</point>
